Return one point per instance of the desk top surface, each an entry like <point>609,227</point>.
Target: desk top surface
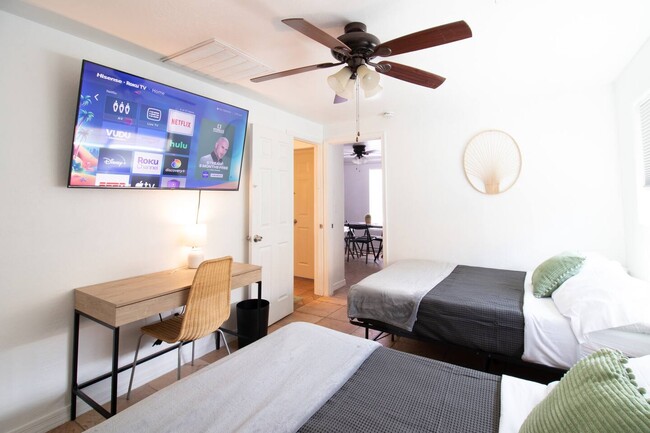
<point>143,287</point>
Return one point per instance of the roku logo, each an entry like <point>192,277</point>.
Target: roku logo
<point>152,161</point>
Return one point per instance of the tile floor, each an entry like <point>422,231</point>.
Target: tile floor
<point>330,312</point>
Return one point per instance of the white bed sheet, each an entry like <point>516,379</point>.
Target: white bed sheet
<point>548,337</point>
<point>518,398</point>
<point>632,344</point>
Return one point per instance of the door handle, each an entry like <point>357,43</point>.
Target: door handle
<point>257,238</point>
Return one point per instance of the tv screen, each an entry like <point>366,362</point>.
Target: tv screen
<point>132,132</point>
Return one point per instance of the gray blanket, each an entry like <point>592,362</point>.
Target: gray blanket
<point>397,392</point>
<point>477,308</point>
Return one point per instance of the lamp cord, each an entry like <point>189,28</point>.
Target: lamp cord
<point>198,208</point>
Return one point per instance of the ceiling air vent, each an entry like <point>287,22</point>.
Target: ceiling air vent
<point>218,61</point>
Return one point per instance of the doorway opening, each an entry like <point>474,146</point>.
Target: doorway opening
<point>305,223</point>
<point>363,206</point>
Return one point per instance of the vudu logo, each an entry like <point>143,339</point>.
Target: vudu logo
<point>118,135</point>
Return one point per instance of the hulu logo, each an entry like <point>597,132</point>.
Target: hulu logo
<point>177,145</point>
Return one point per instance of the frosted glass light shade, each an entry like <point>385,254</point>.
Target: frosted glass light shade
<point>339,81</point>
<point>374,91</point>
<point>369,80</point>
<point>348,92</point>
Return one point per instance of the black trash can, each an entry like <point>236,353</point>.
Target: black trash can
<point>250,325</point>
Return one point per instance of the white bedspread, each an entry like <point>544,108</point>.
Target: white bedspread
<point>393,295</point>
<point>274,385</point>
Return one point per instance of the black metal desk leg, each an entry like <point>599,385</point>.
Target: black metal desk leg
<point>116,346</point>
<point>75,366</point>
<point>259,308</point>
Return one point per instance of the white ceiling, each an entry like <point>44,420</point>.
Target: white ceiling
<point>518,46</point>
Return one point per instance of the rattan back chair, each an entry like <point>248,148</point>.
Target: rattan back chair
<point>207,308</point>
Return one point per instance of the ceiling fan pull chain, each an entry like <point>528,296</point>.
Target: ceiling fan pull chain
<point>356,88</point>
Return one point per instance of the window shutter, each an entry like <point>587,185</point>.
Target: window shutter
<point>644,111</point>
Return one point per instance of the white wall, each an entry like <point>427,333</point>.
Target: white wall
<point>631,86</point>
<point>357,190</point>
<point>568,196</point>
<point>56,239</point>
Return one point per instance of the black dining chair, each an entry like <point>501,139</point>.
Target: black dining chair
<point>350,247</point>
<point>363,241</point>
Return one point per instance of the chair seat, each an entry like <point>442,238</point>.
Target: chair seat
<point>167,330</point>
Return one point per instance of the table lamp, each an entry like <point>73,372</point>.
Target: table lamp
<point>195,237</point>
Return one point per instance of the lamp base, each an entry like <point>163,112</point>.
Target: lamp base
<point>194,258</point>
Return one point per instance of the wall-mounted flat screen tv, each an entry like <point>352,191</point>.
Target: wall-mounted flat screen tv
<point>132,132</point>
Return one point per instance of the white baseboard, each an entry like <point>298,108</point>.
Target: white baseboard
<point>101,392</point>
<point>337,285</point>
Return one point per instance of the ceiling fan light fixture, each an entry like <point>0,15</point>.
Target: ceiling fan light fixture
<point>339,80</point>
<point>372,92</point>
<point>348,91</point>
<point>369,80</point>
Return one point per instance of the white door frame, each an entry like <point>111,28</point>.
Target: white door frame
<point>333,241</point>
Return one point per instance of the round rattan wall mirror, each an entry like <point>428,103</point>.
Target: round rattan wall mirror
<point>492,162</point>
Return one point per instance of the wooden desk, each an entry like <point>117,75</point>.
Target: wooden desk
<point>119,302</point>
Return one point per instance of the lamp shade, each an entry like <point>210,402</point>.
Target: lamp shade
<point>348,91</point>
<point>339,81</point>
<point>369,81</point>
<point>195,235</point>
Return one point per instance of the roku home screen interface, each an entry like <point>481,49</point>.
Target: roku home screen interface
<point>133,132</point>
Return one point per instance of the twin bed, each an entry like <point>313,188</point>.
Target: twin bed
<point>495,312</point>
<point>307,378</point>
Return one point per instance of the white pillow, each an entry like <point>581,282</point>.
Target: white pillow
<point>641,369</point>
<point>602,296</point>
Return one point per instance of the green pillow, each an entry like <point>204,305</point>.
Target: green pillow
<point>553,272</point>
<point>597,395</point>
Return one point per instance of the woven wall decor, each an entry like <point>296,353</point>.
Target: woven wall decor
<point>492,161</point>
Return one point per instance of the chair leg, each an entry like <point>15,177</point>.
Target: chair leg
<point>192,353</point>
<point>225,342</point>
<point>178,370</point>
<point>135,359</point>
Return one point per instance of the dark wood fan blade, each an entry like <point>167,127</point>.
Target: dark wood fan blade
<point>313,32</point>
<point>410,74</point>
<point>425,39</point>
<point>293,72</point>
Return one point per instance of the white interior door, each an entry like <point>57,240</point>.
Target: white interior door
<point>271,216</point>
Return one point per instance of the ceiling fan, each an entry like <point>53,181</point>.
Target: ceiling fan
<point>356,48</point>
<point>359,153</point>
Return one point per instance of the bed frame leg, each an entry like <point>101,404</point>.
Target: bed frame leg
<point>488,364</point>
<point>366,332</point>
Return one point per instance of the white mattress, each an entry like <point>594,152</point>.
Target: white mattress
<point>548,337</point>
